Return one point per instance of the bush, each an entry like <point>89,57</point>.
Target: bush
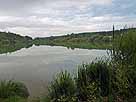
<point>90,84</point>
<point>11,88</point>
<point>62,88</point>
<point>124,66</point>
<point>125,48</point>
<point>93,81</point>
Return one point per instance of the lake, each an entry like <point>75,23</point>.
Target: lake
<point>37,65</point>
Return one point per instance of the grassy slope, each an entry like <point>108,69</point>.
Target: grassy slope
<point>10,42</point>
<point>89,40</point>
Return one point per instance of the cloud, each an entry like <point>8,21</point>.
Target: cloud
<point>57,17</point>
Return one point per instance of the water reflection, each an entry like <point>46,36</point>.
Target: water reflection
<point>13,47</point>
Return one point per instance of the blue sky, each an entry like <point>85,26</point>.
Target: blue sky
<point>57,17</point>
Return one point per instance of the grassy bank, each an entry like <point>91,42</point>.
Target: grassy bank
<point>88,40</point>
<point>82,40</point>
<point>10,42</point>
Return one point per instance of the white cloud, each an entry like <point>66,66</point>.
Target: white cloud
<point>56,17</point>
<point>101,2</point>
<point>9,19</point>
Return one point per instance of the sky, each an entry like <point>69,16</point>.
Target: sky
<point>42,18</point>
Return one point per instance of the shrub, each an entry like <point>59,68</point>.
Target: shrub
<point>12,88</point>
<point>93,81</point>
<point>125,49</point>
<point>124,66</point>
<point>62,88</point>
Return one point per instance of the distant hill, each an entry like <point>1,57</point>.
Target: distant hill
<point>11,38</point>
<point>10,42</point>
<point>87,40</point>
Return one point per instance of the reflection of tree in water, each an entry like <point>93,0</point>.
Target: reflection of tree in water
<point>69,47</point>
<point>13,47</point>
<point>10,42</point>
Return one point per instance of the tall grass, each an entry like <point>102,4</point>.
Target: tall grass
<point>62,88</point>
<point>89,85</point>
<point>124,64</point>
<point>10,89</point>
<point>125,48</point>
<point>93,81</point>
<point>14,99</point>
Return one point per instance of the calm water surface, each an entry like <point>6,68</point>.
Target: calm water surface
<point>37,65</point>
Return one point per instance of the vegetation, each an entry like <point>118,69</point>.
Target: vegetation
<point>124,66</point>
<point>82,40</point>
<point>88,40</point>
<point>92,81</point>
<point>10,42</point>
<point>62,88</point>
<point>14,99</point>
<point>11,91</point>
